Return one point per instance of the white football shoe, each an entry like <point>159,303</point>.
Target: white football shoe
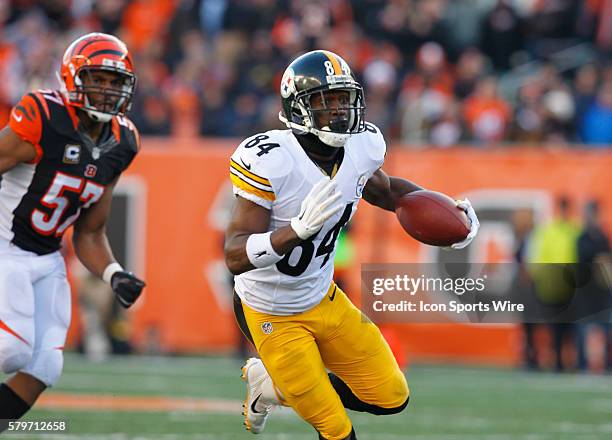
<point>254,375</point>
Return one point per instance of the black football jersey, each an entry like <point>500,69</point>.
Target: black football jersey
<point>41,199</point>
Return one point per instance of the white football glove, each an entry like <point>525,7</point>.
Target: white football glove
<point>474,223</point>
<point>319,205</point>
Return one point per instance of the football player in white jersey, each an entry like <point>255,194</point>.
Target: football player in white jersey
<point>296,189</point>
<point>60,157</point>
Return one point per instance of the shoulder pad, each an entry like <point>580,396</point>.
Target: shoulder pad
<point>124,130</point>
<point>376,147</point>
<point>26,121</point>
<point>61,117</point>
<point>265,154</point>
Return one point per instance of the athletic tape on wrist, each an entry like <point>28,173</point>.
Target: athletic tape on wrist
<point>110,270</point>
<point>260,251</point>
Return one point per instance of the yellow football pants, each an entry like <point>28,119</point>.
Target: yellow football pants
<point>297,349</point>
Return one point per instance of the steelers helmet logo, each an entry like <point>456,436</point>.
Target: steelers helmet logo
<point>287,87</point>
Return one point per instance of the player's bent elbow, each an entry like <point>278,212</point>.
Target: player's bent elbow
<point>234,265</point>
<point>234,270</point>
<point>236,259</point>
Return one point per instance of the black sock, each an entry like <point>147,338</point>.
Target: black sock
<point>11,406</point>
<point>350,401</point>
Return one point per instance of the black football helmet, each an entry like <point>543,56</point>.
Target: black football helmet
<point>313,73</point>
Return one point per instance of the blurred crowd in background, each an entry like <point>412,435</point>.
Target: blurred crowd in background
<point>436,72</point>
<point>565,262</point>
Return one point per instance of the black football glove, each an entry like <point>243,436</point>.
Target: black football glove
<point>127,287</point>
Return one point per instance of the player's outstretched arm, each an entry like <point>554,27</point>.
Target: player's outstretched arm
<point>383,190</point>
<point>14,150</point>
<point>93,250</point>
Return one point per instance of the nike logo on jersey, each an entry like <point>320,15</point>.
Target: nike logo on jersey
<point>17,117</point>
<point>261,254</point>
<point>248,167</point>
<point>333,295</point>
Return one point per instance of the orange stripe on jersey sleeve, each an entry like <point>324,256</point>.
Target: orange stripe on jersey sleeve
<point>43,103</point>
<point>267,195</point>
<point>26,122</point>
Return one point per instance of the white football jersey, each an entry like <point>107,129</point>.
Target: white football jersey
<point>273,170</point>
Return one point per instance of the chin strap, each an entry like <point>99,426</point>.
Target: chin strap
<point>336,140</point>
<point>98,116</point>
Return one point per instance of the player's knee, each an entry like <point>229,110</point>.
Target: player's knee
<point>15,355</point>
<point>398,395</point>
<point>401,391</point>
<point>47,367</point>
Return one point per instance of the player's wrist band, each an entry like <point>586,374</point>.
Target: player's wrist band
<point>110,270</point>
<point>260,251</point>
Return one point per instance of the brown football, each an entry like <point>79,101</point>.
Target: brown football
<point>432,218</point>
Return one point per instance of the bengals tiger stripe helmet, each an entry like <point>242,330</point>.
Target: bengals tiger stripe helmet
<point>98,52</point>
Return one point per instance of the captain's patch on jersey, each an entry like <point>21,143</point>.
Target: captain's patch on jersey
<point>72,153</point>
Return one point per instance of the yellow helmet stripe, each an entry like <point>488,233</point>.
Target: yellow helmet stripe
<point>334,61</point>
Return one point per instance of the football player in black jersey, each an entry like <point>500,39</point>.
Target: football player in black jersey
<point>60,158</point>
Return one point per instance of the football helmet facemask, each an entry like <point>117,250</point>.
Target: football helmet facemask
<point>98,52</point>
<point>317,73</point>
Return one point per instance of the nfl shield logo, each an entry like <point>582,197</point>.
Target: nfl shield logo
<point>266,327</point>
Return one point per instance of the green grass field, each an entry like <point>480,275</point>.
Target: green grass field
<point>447,403</point>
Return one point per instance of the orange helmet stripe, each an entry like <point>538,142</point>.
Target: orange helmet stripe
<point>95,47</point>
<point>334,61</point>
